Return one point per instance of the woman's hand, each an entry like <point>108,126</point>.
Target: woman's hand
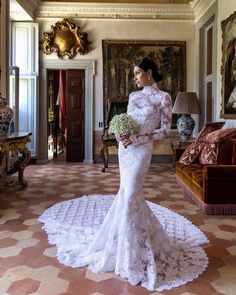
<point>125,139</point>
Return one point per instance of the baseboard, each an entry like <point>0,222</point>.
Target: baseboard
<point>165,159</point>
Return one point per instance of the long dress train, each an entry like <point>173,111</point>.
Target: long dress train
<point>138,240</point>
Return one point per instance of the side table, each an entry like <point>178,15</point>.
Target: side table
<point>178,143</point>
<point>14,145</point>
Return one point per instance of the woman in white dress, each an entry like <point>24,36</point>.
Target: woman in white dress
<point>143,242</point>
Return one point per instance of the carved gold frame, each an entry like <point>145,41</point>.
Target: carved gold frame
<point>65,39</point>
<point>228,67</point>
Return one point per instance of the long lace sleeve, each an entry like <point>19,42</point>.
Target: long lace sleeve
<point>165,113</point>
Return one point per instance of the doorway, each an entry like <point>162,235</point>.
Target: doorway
<point>66,114</point>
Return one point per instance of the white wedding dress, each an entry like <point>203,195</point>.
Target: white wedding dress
<point>137,239</point>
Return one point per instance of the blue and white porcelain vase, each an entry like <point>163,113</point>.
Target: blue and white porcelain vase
<point>185,126</point>
<point>6,114</point>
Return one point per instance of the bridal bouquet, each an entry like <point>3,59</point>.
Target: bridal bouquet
<point>123,124</point>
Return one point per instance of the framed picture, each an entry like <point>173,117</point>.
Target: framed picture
<point>228,68</point>
<point>119,58</point>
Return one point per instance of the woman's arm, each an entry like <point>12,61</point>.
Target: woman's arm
<point>164,130</point>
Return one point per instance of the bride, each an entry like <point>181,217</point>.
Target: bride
<point>143,242</point>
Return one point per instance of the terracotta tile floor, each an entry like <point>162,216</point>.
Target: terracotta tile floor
<point>28,264</point>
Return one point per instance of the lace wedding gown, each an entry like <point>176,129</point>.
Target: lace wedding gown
<point>137,239</point>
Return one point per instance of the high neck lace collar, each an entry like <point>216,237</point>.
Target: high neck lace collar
<point>152,88</point>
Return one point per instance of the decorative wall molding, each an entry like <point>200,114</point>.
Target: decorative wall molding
<point>200,7</point>
<point>29,6</point>
<point>65,39</point>
<point>115,11</point>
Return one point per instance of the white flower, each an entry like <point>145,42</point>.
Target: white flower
<point>123,124</point>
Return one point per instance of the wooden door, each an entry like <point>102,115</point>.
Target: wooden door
<point>75,108</point>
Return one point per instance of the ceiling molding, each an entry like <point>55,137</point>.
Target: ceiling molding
<point>29,6</point>
<point>18,12</point>
<point>124,1</point>
<point>200,7</point>
<point>115,11</point>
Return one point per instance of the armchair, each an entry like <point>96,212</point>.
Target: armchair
<point>115,106</point>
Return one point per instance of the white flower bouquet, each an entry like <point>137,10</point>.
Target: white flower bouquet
<point>123,124</point>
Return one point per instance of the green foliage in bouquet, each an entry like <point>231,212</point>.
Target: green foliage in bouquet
<point>123,124</point>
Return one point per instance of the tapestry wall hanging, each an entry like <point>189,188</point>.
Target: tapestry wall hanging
<point>119,58</point>
<point>228,67</point>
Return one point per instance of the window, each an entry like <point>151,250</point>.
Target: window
<point>24,57</point>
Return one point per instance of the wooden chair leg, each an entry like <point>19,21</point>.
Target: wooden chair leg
<point>104,153</point>
<point>104,157</point>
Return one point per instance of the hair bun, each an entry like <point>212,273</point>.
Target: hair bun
<point>146,63</point>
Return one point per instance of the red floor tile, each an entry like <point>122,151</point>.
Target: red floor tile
<point>49,183</point>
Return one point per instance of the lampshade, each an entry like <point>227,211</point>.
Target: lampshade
<point>186,103</point>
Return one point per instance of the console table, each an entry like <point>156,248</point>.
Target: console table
<point>13,147</point>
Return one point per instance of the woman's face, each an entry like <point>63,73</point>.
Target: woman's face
<point>142,78</point>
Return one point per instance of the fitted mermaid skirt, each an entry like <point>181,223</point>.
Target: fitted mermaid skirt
<point>141,241</point>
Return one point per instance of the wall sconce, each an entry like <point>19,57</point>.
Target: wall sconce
<point>186,103</point>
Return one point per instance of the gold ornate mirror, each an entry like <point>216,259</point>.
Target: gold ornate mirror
<point>65,38</point>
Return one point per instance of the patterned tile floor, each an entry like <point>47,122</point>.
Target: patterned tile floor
<point>28,264</point>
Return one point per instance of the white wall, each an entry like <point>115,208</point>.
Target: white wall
<point>121,29</point>
<point>225,9</point>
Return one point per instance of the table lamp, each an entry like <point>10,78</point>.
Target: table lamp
<point>186,103</point>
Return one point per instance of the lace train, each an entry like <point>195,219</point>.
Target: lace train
<point>160,252</point>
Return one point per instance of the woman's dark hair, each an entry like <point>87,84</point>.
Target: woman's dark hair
<point>146,64</point>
